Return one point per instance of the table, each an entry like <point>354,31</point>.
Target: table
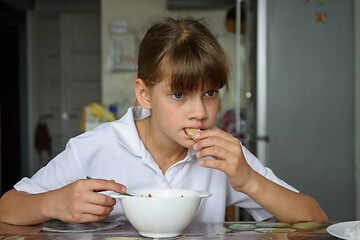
<point>196,230</point>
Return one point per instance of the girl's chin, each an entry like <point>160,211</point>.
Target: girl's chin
<point>189,143</point>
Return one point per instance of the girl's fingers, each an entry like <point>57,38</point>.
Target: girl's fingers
<point>97,210</point>
<point>213,133</point>
<point>225,149</point>
<point>216,152</point>
<point>99,185</point>
<point>100,199</point>
<point>88,211</point>
<point>217,144</point>
<point>211,141</point>
<point>216,147</point>
<point>88,218</point>
<point>215,164</point>
<point>215,137</point>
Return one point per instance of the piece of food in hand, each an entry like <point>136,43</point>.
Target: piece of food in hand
<point>191,132</point>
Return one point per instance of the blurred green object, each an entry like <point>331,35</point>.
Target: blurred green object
<point>307,225</point>
<point>274,230</point>
<point>273,225</point>
<point>242,227</point>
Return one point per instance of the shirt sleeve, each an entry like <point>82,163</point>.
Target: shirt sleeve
<point>60,171</point>
<point>241,200</point>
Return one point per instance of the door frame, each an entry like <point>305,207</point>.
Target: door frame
<point>31,55</point>
<point>357,104</point>
<point>261,83</point>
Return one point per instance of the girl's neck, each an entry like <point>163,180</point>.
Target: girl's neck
<point>164,152</point>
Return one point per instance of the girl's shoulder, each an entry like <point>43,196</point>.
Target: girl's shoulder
<point>123,126</point>
<point>112,135</point>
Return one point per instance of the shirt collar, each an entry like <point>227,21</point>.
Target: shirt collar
<point>126,130</point>
<point>190,155</point>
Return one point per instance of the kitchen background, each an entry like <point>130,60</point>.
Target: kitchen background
<point>302,81</point>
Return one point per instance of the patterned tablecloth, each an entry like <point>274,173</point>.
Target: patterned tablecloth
<point>196,230</point>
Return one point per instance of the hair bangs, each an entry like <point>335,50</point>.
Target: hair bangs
<point>188,66</point>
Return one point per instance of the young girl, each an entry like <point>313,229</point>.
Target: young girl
<point>181,68</point>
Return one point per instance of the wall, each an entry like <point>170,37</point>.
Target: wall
<point>311,100</point>
<point>117,85</point>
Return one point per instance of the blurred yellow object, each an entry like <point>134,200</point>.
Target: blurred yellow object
<point>103,114</point>
<point>93,115</point>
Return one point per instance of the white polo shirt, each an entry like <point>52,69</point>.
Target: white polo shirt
<point>114,151</point>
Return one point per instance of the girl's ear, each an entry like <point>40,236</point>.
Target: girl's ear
<point>142,93</point>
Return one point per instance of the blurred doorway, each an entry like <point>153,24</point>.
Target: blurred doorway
<point>65,76</point>
<point>12,94</point>
<point>9,106</point>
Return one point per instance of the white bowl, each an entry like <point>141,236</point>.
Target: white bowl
<point>159,213</point>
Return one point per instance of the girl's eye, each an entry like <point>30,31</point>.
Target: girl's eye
<point>177,95</point>
<point>211,93</point>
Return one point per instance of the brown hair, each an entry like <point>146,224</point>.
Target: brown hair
<point>183,52</point>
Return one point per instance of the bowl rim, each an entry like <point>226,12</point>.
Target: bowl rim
<point>197,193</point>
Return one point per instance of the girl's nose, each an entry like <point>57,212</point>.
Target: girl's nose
<point>197,109</point>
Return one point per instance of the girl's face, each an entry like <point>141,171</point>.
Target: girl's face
<point>172,112</point>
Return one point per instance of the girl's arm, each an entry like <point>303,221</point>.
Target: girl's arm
<point>283,203</point>
<point>76,202</point>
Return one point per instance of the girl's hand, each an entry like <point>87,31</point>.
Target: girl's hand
<point>227,153</point>
<point>283,203</point>
<point>81,202</point>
